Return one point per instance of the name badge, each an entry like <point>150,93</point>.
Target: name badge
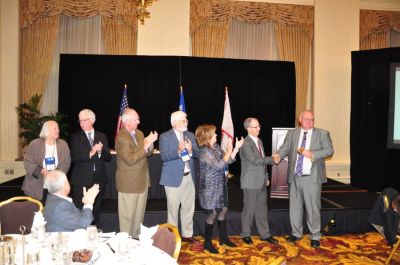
<point>185,155</point>
<point>50,163</point>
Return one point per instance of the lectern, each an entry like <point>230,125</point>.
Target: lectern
<point>279,185</point>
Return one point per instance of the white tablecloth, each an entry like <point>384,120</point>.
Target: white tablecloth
<point>140,254</point>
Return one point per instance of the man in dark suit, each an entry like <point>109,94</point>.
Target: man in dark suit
<point>89,152</point>
<point>307,148</point>
<point>254,181</point>
<point>177,149</point>
<point>60,212</point>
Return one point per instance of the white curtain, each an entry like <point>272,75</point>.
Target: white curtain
<point>76,36</point>
<point>394,38</point>
<point>251,41</point>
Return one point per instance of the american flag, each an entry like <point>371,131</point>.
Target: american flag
<point>123,106</point>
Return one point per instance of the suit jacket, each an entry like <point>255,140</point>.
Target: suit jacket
<point>62,215</point>
<point>321,145</point>
<point>132,175</point>
<point>33,163</point>
<point>173,166</point>
<point>83,165</point>
<point>254,174</point>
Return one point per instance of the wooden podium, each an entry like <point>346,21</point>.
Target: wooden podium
<point>279,185</point>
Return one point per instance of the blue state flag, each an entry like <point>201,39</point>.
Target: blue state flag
<point>182,106</point>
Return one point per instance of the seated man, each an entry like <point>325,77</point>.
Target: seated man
<point>60,212</point>
<point>385,215</point>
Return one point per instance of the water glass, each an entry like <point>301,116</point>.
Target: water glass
<point>123,241</point>
<point>92,233</point>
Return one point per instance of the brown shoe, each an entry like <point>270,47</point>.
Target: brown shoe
<point>190,240</point>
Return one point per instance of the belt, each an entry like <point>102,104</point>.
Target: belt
<point>186,173</point>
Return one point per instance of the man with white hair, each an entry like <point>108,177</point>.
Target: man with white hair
<point>177,149</point>
<point>89,152</point>
<point>60,212</point>
<point>132,175</point>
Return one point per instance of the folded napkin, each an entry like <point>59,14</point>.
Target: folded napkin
<point>146,234</point>
<point>38,221</point>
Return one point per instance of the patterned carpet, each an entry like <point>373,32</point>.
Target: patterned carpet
<point>369,248</point>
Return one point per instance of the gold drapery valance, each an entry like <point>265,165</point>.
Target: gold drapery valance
<point>124,10</point>
<point>203,11</point>
<point>377,22</point>
<point>39,25</point>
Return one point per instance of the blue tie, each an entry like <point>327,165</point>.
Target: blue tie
<point>299,166</point>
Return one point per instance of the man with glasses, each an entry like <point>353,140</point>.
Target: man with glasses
<point>254,181</point>
<point>307,148</point>
<point>177,150</point>
<point>89,152</point>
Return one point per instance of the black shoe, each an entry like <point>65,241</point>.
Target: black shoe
<point>270,239</point>
<point>226,241</point>
<point>315,243</point>
<point>292,238</point>
<point>247,240</point>
<point>210,248</point>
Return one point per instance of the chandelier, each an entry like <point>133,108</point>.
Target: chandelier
<point>142,12</point>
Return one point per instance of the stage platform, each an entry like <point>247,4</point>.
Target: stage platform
<point>349,206</point>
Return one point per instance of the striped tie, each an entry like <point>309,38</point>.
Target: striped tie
<point>299,166</point>
<point>90,139</point>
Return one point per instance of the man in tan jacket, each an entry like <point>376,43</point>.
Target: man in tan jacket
<point>132,175</point>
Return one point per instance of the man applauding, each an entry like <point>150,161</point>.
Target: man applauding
<point>60,212</point>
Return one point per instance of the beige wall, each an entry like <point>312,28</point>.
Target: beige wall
<point>9,43</point>
<point>336,24</point>
<point>167,31</point>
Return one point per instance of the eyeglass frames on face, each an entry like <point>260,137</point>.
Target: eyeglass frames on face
<point>255,127</point>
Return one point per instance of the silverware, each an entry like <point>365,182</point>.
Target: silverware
<point>108,244</point>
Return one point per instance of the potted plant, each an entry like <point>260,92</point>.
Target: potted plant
<point>31,120</point>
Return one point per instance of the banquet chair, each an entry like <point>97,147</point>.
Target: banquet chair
<point>385,218</point>
<point>18,211</point>
<point>167,238</point>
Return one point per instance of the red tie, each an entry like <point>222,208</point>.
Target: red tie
<point>259,143</point>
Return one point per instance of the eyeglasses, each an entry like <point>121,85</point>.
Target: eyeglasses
<point>184,121</point>
<point>255,127</point>
<point>82,121</point>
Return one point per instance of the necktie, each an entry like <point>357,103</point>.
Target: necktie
<point>299,166</point>
<point>90,139</point>
<point>133,134</point>
<point>260,147</point>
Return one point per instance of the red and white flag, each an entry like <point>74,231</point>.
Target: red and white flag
<point>227,124</point>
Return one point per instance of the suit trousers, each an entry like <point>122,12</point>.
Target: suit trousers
<point>183,196</point>
<point>255,207</point>
<point>131,208</point>
<point>303,191</point>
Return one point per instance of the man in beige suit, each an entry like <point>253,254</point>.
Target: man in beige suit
<point>132,175</point>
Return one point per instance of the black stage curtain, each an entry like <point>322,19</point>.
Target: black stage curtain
<point>373,166</point>
<point>262,89</point>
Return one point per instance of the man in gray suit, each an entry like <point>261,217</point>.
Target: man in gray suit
<point>306,148</point>
<point>254,181</point>
<point>60,212</point>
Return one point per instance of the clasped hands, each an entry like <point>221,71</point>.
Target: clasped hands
<point>97,148</point>
<point>149,140</point>
<point>90,195</point>
<point>306,153</point>
<point>185,144</point>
